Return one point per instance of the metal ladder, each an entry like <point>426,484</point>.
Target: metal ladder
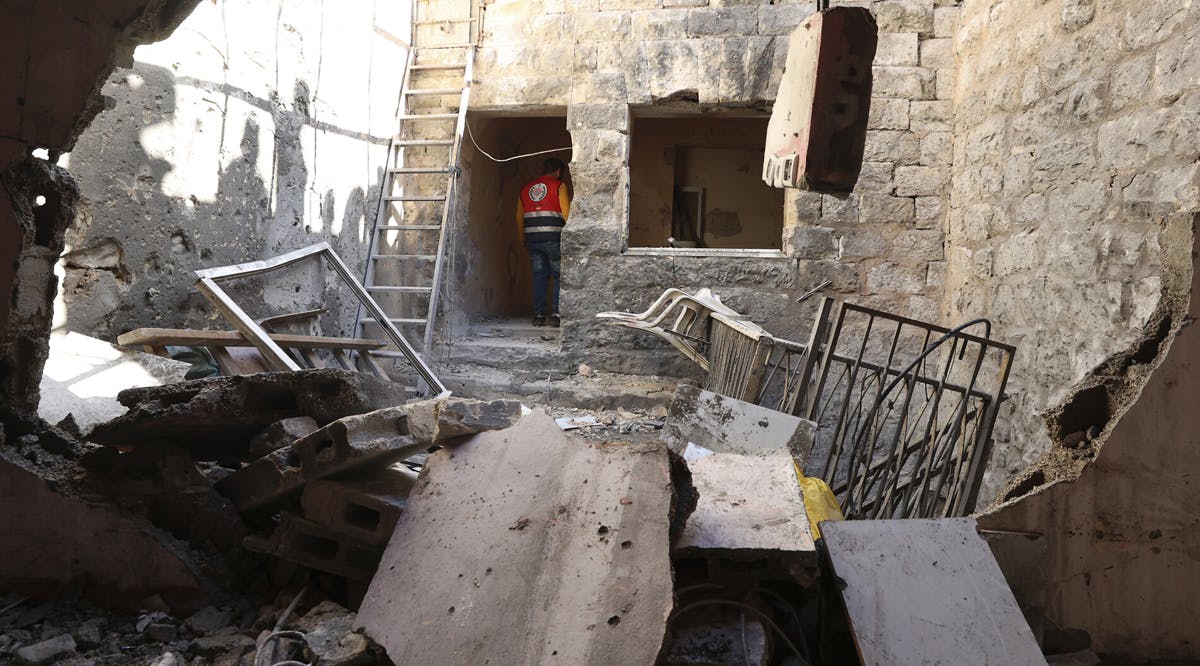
<point>404,263</point>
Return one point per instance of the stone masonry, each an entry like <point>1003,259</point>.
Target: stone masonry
<point>603,60</point>
<point>1075,137</point>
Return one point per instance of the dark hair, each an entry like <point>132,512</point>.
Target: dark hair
<point>553,164</point>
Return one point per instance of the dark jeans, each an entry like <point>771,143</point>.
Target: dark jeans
<point>544,257</point>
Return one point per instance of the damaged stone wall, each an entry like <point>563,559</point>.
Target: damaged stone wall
<point>1075,138</point>
<point>256,129</point>
<point>882,245</point>
<point>53,58</point>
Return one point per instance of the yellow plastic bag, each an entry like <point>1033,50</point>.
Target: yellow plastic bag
<point>819,502</point>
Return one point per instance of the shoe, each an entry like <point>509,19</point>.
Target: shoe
<point>539,320</point>
<point>555,321</point>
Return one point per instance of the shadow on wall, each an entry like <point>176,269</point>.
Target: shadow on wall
<point>137,241</point>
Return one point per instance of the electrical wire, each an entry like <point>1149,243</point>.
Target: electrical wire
<point>729,602</point>
<point>514,157</point>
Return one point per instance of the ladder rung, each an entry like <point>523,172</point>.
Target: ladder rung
<point>449,20</point>
<point>431,116</point>
<point>415,198</point>
<point>434,91</point>
<point>424,142</point>
<point>447,65</point>
<point>421,170</point>
<point>444,46</point>
<point>408,227</point>
<point>415,290</point>
<point>394,320</point>
<point>426,257</point>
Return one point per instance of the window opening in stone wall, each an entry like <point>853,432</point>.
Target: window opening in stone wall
<point>695,182</point>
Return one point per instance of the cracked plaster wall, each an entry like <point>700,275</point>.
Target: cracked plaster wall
<point>882,245</point>
<point>256,129</point>
<point>1075,139</point>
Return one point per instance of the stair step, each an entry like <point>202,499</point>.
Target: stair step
<point>449,20</point>
<point>449,65</point>
<point>408,227</point>
<point>394,320</point>
<point>412,290</point>
<point>430,116</point>
<point>408,197</point>
<point>421,170</point>
<point>426,257</point>
<point>424,142</point>
<point>434,91</point>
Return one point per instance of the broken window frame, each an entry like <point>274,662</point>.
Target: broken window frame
<point>270,350</point>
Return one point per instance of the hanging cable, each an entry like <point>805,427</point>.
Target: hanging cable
<point>514,157</point>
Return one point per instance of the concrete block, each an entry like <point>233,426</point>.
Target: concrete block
<point>723,424</point>
<point>308,544</point>
<point>282,433</point>
<point>371,440</point>
<point>442,419</point>
<point>365,508</point>
<point>218,416</point>
<point>748,504</point>
<point>47,651</point>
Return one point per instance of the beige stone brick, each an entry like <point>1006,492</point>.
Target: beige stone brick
<point>945,21</point>
<point>856,244</point>
<point>891,277</point>
<point>598,116</point>
<point>937,52</point>
<point>616,5</point>
<point>937,148</point>
<point>1176,66</point>
<point>685,3</point>
<point>723,22</point>
<point>931,115</point>
<point>904,16</point>
<point>897,146</point>
<point>921,180</point>
<point>923,244</point>
<point>780,19</point>
<point>888,114</point>
<point>935,273</point>
<point>904,82</point>
<point>876,177</point>
<point>659,24</point>
<point>1130,81</point>
<point>885,209</point>
<point>601,26</point>
<point>839,208</point>
<point>897,48</point>
<point>930,212</point>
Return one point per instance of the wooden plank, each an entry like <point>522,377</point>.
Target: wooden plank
<point>195,338</point>
<point>926,592</point>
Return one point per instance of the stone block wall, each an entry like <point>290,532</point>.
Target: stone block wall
<point>1075,136</point>
<point>603,60</point>
<point>256,129</point>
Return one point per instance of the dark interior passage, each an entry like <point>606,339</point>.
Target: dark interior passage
<point>496,277</point>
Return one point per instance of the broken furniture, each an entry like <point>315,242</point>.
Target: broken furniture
<point>276,358</point>
<point>300,348</point>
<point>926,592</point>
<point>904,408</point>
<point>818,128</point>
<point>529,546</point>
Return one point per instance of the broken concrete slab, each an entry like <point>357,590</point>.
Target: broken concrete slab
<point>372,440</point>
<point>311,545</point>
<point>47,651</point>
<point>724,424</point>
<point>50,539</point>
<point>749,505</point>
<point>525,546</point>
<point>83,376</point>
<point>926,592</point>
<point>365,508</point>
<point>282,433</point>
<point>219,415</point>
<point>441,419</point>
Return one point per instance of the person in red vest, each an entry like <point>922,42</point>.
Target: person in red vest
<point>542,212</point>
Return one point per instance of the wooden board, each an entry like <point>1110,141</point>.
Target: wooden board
<point>528,546</point>
<point>927,592</point>
<point>192,338</point>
